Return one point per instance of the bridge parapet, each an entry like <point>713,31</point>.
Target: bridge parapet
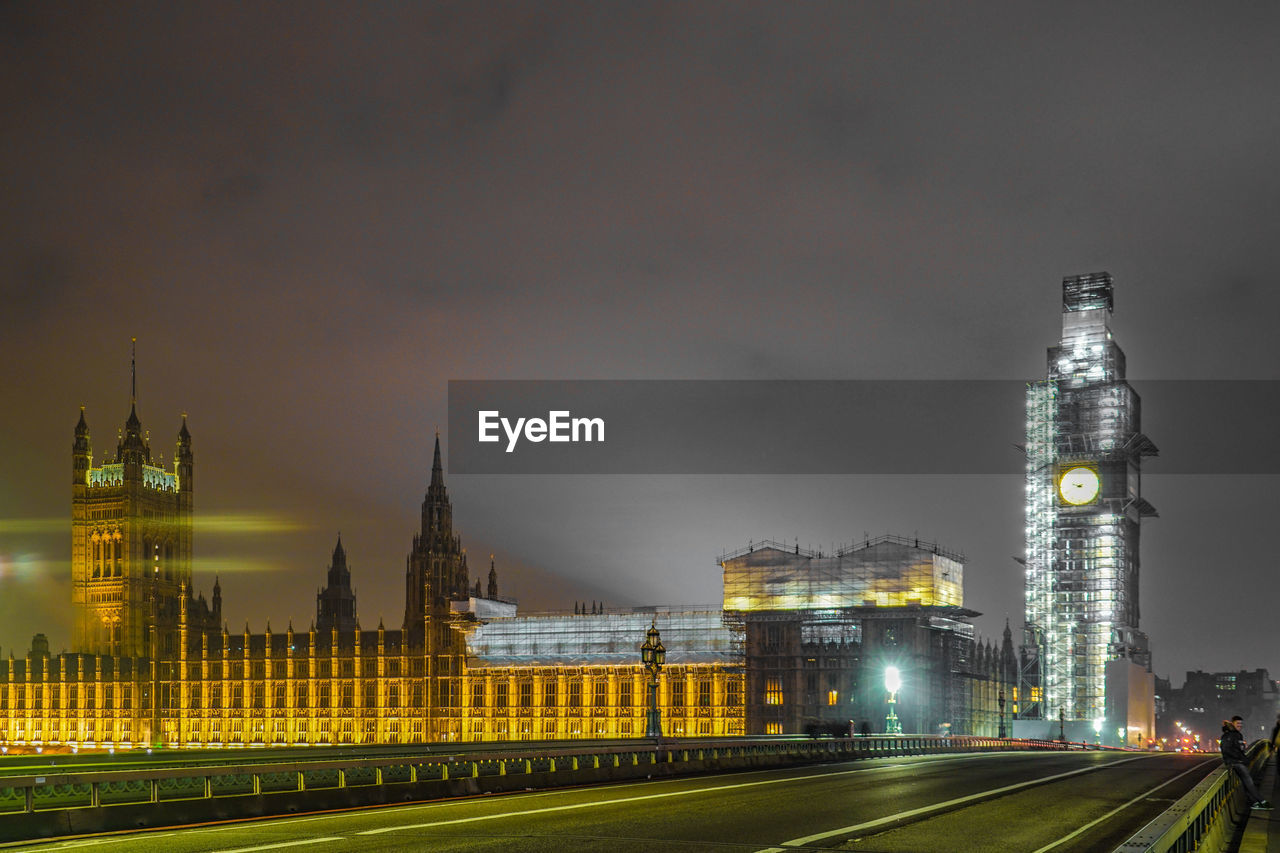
<point>1205,818</point>
<point>72,801</point>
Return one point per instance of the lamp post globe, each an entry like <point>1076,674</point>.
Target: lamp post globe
<point>892,683</point>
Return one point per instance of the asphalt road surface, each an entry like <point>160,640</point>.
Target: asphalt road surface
<point>1010,802</point>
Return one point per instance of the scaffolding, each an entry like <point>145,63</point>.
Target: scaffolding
<point>610,638</point>
<point>1082,557</point>
<point>889,571</point>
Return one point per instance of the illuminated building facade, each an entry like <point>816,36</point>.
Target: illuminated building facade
<point>1084,506</point>
<point>153,665</point>
<point>796,641</point>
<point>131,545</point>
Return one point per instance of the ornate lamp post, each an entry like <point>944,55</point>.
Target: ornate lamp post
<point>892,682</point>
<point>1000,702</point>
<point>1062,725</point>
<point>653,655</point>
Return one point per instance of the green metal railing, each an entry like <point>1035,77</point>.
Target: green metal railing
<point>73,789</point>
<point>1204,818</point>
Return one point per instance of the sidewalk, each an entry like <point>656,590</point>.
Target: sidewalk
<point>1262,832</point>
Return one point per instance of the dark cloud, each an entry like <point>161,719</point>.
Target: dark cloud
<point>41,280</point>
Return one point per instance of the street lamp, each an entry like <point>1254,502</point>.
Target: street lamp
<point>1000,702</point>
<point>1097,730</point>
<point>653,655</point>
<point>892,682</point>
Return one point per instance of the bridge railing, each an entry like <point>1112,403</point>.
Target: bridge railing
<point>1204,818</point>
<point>80,789</point>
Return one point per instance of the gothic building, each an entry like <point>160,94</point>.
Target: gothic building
<point>798,638</point>
<point>154,666</point>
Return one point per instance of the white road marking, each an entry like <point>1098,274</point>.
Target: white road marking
<point>282,844</point>
<point>1066,838</point>
<point>878,822</point>
<point>619,800</point>
<point>88,842</point>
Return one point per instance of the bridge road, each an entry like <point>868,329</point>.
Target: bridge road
<point>1060,801</point>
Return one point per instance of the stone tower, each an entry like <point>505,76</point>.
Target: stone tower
<point>436,568</point>
<point>130,542</point>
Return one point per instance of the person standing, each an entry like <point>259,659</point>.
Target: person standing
<point>1232,746</point>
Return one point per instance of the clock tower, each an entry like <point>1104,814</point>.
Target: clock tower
<point>1084,507</point>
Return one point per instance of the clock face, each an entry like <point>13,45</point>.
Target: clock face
<point>1078,485</point>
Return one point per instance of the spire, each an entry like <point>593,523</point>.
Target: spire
<point>183,433</point>
<point>339,554</point>
<point>133,371</point>
<point>493,580</point>
<point>82,428</point>
<point>437,470</point>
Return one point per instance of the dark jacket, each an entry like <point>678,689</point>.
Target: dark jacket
<point>1232,746</point>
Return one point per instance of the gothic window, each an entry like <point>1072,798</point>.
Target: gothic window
<point>550,693</point>
<point>704,694</point>
<point>625,695</point>
<point>477,694</point>
<point>600,698</point>
<point>500,693</point>
<point>526,694</point>
<point>575,694</point>
<point>677,693</point>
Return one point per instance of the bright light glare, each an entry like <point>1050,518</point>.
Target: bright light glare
<point>892,679</point>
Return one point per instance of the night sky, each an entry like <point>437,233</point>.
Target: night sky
<point>312,216</point>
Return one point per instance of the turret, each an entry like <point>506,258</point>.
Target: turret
<point>183,459</point>
<point>81,453</point>
<point>336,603</point>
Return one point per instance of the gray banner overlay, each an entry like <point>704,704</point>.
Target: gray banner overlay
<point>827,427</point>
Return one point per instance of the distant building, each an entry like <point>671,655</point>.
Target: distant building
<point>1205,699</point>
<point>1086,656</point>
